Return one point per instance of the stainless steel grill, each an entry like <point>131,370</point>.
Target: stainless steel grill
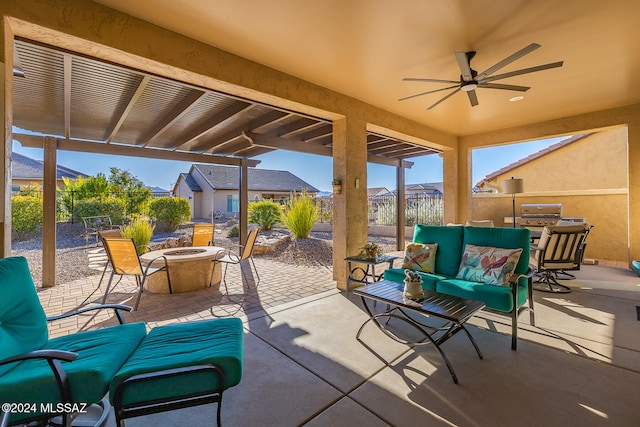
<point>538,215</point>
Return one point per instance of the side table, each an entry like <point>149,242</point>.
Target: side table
<point>369,271</point>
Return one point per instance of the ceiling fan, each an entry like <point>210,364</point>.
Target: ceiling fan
<point>470,80</point>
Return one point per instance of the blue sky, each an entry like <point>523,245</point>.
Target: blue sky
<point>316,170</point>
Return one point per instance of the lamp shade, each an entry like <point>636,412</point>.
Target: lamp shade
<point>513,186</point>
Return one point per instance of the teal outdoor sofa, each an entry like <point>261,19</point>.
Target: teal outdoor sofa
<point>509,300</point>
<point>173,366</point>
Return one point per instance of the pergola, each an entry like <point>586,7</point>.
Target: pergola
<point>67,101</point>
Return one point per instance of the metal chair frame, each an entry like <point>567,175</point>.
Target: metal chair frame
<point>558,246</point>
<point>126,266</point>
<point>203,234</point>
<point>231,257</point>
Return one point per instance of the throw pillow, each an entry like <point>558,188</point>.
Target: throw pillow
<point>487,264</point>
<point>420,257</point>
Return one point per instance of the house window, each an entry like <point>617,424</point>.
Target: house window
<point>233,203</point>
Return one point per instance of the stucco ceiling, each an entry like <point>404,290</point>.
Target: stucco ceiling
<point>364,48</point>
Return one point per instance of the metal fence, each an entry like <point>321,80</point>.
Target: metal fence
<point>419,209</point>
<point>71,205</point>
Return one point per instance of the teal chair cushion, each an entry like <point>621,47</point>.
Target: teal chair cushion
<point>217,342</point>
<point>23,323</point>
<point>449,240</point>
<point>428,280</point>
<point>497,298</point>
<point>101,353</point>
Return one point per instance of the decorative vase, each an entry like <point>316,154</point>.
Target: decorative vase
<point>413,290</point>
<point>337,188</point>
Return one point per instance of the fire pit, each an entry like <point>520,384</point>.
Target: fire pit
<point>190,269</point>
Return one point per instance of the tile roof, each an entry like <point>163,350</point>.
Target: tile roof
<point>23,167</point>
<point>226,178</point>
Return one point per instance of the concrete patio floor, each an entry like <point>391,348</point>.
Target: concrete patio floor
<point>580,364</point>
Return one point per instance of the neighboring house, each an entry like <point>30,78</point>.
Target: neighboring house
<point>214,188</point>
<point>377,191</point>
<point>27,171</point>
<point>159,192</point>
<point>426,188</point>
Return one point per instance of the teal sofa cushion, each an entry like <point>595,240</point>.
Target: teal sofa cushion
<point>428,280</point>
<point>101,353</point>
<point>501,237</point>
<point>497,298</point>
<point>23,323</point>
<point>217,342</point>
<point>449,240</point>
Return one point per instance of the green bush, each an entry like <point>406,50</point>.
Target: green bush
<point>140,231</point>
<point>170,212</point>
<point>233,231</point>
<point>265,213</point>
<point>112,206</point>
<point>26,215</point>
<point>300,214</point>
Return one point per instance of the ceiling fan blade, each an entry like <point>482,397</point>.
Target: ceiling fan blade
<point>412,79</point>
<point>504,87</point>
<point>508,60</point>
<point>524,71</point>
<point>426,93</point>
<point>465,68</point>
<point>446,97</point>
<point>473,98</point>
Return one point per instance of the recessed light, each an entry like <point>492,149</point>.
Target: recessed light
<point>516,98</point>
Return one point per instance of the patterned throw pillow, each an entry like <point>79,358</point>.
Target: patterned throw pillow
<point>487,264</point>
<point>420,257</point>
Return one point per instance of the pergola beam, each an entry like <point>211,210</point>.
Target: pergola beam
<point>36,141</point>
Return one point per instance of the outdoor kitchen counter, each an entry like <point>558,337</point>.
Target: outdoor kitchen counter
<point>190,269</point>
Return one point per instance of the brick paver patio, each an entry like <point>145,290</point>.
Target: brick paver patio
<point>279,284</point>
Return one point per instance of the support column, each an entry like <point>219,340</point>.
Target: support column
<point>350,209</point>
<point>5,170</point>
<point>6,113</point>
<point>244,202</point>
<point>401,201</point>
<point>450,186</point>
<point>49,213</point>
<point>633,157</point>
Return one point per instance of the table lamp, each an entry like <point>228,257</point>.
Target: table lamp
<point>513,186</point>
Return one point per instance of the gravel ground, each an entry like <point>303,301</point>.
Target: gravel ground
<point>72,254</point>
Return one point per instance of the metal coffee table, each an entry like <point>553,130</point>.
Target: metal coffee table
<point>453,310</point>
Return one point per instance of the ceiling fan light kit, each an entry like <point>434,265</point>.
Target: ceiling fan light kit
<point>470,80</point>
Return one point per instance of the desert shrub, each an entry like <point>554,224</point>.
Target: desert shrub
<point>26,215</point>
<point>170,212</point>
<point>233,231</point>
<point>112,206</point>
<point>265,213</point>
<point>300,214</point>
<point>140,231</point>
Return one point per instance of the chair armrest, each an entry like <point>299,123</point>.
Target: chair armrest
<point>117,308</point>
<point>66,356</point>
<point>227,252</point>
<point>53,358</point>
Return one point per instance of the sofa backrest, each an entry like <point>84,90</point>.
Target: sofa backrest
<point>501,237</point>
<point>449,240</point>
<point>23,323</point>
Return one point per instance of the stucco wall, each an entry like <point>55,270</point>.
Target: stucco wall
<point>589,179</point>
<point>595,162</point>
